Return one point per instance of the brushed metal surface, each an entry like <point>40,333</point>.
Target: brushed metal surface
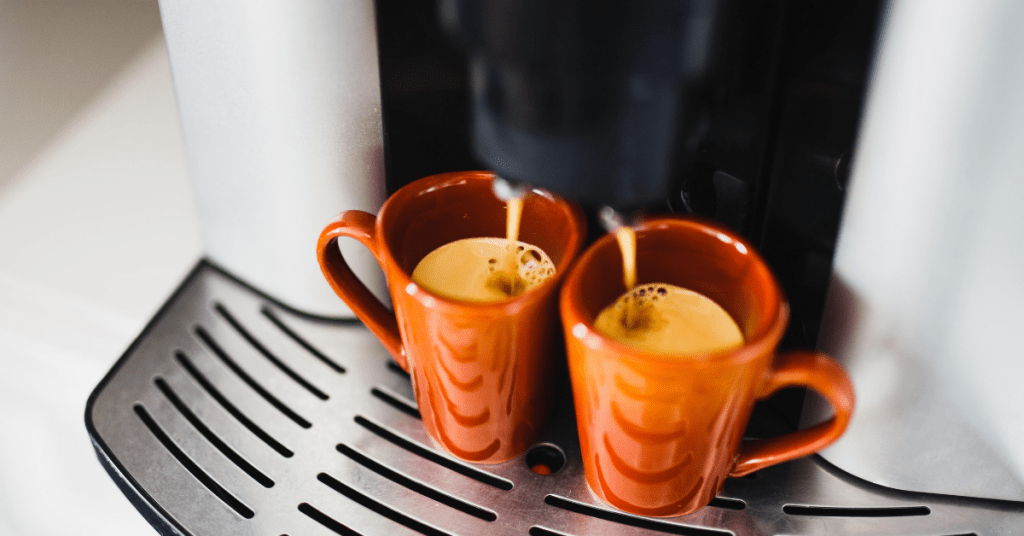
<point>280,109</point>
<point>924,307</point>
<point>212,424</point>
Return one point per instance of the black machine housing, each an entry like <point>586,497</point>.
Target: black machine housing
<point>745,111</point>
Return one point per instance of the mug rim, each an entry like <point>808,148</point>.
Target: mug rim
<point>435,301</point>
<point>571,301</point>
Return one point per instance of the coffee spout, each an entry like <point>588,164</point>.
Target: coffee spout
<point>507,190</point>
<point>610,219</point>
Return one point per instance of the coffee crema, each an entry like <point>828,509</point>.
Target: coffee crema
<point>667,319</point>
<point>483,269</point>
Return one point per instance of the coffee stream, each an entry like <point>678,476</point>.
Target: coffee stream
<point>486,269</point>
<point>507,280</point>
<point>664,318</point>
<point>627,245</point>
<point>513,216</point>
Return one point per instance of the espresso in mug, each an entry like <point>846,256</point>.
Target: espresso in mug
<point>667,319</point>
<point>664,318</point>
<point>486,269</point>
<point>661,427</point>
<point>483,270</point>
<point>484,375</point>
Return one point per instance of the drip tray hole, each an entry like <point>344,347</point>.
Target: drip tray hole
<point>545,459</point>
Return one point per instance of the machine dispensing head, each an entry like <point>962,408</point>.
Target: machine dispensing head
<point>591,100</point>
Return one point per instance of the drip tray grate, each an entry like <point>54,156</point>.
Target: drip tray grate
<point>233,414</point>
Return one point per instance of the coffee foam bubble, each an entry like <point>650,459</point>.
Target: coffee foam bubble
<point>484,269</point>
<point>668,319</point>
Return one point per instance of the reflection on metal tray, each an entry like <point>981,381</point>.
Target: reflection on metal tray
<point>233,414</point>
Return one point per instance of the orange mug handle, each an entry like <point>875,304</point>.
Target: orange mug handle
<point>382,323</point>
<point>802,368</point>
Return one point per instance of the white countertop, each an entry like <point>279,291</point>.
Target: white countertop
<point>96,231</point>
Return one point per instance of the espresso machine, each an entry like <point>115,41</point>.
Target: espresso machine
<point>837,137</point>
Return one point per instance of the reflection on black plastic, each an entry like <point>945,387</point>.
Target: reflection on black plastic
<point>545,459</point>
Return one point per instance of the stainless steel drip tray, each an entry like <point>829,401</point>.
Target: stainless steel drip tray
<point>233,414</point>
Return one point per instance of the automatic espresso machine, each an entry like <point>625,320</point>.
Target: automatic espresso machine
<point>869,148</point>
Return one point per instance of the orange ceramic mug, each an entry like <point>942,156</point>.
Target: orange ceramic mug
<point>483,374</point>
<point>659,434</point>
